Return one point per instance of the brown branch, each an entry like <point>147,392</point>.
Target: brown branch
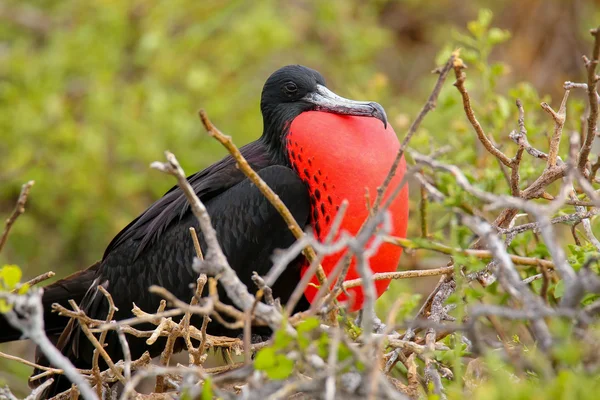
<point>216,263</point>
<point>32,364</point>
<point>165,356</point>
<point>196,243</point>
<point>520,138</point>
<point>401,275</point>
<point>429,106</point>
<point>243,165</point>
<point>559,121</point>
<point>204,337</point>
<point>98,347</point>
<point>304,282</point>
<point>107,376</point>
<point>18,210</point>
<point>516,161</point>
<point>194,353</point>
<point>482,254</point>
<point>95,368</point>
<point>171,298</point>
<point>36,280</point>
<point>592,120</point>
<point>459,66</point>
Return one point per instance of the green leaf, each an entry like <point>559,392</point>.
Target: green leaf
<point>589,299</point>
<point>323,346</point>
<point>4,306</point>
<point>485,17</point>
<point>559,289</point>
<point>282,340</point>
<point>265,359</point>
<point>497,36</point>
<point>308,325</point>
<point>23,289</point>
<point>282,369</point>
<point>10,276</point>
<point>276,366</point>
<point>503,106</point>
<point>475,28</point>
<point>304,330</point>
<point>207,392</point>
<point>498,69</point>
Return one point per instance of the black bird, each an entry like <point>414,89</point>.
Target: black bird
<point>156,248</point>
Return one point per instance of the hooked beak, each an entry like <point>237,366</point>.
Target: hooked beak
<point>325,100</point>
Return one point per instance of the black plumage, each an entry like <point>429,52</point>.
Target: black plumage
<point>156,248</point>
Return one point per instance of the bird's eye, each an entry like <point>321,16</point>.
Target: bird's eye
<point>290,88</point>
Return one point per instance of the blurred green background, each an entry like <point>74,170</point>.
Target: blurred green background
<point>93,91</point>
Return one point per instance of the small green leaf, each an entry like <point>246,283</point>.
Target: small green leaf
<point>276,366</point>
<point>497,36</point>
<point>10,275</point>
<point>343,352</point>
<point>503,106</point>
<point>23,289</point>
<point>559,289</point>
<point>282,369</point>
<point>265,359</point>
<point>323,346</point>
<point>308,325</point>
<point>4,306</point>
<point>498,69</point>
<point>207,392</point>
<point>282,340</point>
<point>475,28</point>
<point>485,17</point>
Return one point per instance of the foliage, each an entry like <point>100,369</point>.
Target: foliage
<point>10,276</point>
<point>90,102</point>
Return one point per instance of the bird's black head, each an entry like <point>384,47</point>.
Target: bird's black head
<point>294,89</point>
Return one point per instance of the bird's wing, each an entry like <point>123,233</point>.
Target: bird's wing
<point>207,184</point>
<point>249,229</point>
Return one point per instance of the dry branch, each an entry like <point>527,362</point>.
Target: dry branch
<point>592,120</point>
<point>225,140</point>
<point>19,209</point>
<point>429,106</point>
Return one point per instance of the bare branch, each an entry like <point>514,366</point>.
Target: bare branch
<point>459,66</point>
<point>19,209</point>
<point>308,252</point>
<point>559,121</point>
<point>592,120</point>
<point>27,316</point>
<point>429,105</point>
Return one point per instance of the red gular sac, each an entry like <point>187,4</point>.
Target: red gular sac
<point>341,157</point>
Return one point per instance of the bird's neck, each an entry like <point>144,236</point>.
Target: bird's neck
<point>276,128</point>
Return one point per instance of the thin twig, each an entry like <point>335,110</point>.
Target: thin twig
<point>459,66</point>
<point>18,210</point>
<point>559,121</point>
<point>429,105</point>
<point>482,254</point>
<point>592,120</point>
<point>243,165</point>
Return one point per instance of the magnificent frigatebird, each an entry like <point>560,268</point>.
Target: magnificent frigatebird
<point>316,150</point>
